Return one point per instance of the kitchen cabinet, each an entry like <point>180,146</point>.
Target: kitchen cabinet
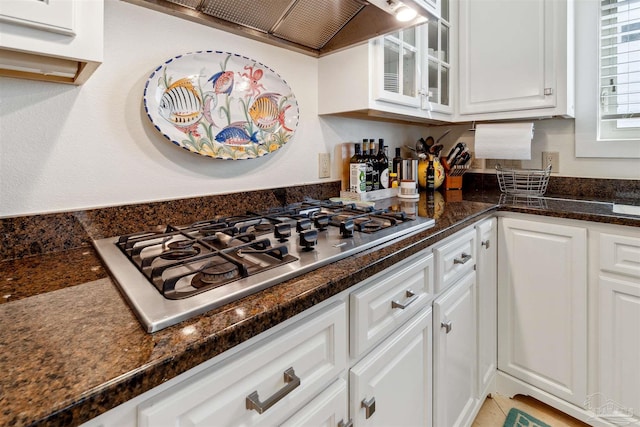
<point>263,385</point>
<point>515,59</point>
<point>57,40</point>
<point>618,284</point>
<point>327,409</point>
<point>454,258</point>
<point>392,384</point>
<point>487,308</point>
<point>542,305</point>
<point>455,363</point>
<point>405,75</point>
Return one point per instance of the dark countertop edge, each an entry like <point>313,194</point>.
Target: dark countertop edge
<point>98,400</point>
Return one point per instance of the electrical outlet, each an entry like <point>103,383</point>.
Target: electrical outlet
<point>324,165</point>
<point>551,158</point>
<point>476,163</point>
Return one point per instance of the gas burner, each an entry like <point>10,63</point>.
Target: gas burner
<point>180,249</point>
<point>263,227</point>
<point>370,226</point>
<point>218,271</point>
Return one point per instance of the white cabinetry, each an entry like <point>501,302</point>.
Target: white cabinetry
<point>542,310</point>
<point>328,409</point>
<point>516,59</point>
<point>455,354</point>
<point>56,40</point>
<point>618,282</point>
<point>405,75</point>
<point>392,384</point>
<point>263,385</point>
<point>487,270</point>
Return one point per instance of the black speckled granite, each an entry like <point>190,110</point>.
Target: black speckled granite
<point>71,349</point>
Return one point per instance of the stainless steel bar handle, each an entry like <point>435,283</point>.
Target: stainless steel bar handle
<point>447,326</point>
<point>348,424</point>
<point>292,382</point>
<point>411,298</point>
<point>369,406</point>
<point>463,259</point>
<point>485,243</point>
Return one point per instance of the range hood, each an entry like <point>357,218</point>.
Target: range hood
<point>313,27</point>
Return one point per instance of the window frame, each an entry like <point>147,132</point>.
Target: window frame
<point>587,26</point>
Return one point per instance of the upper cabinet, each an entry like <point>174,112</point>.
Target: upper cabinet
<point>56,40</point>
<point>516,59</point>
<point>403,75</point>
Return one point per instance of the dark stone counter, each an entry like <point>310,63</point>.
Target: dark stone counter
<point>71,349</point>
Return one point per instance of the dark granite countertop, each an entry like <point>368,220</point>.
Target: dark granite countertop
<point>71,349</point>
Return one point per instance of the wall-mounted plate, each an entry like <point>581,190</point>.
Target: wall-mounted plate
<point>221,105</point>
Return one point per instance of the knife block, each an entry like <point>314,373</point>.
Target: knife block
<point>453,175</point>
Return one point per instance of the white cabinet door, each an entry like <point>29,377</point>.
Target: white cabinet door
<point>515,58</point>
<point>542,305</point>
<point>329,409</point>
<point>455,362</point>
<point>619,328</point>
<point>619,349</point>
<point>392,385</point>
<point>487,270</point>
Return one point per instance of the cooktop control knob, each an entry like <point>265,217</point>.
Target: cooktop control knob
<point>303,224</point>
<point>321,222</point>
<point>282,231</point>
<point>346,228</point>
<point>308,239</point>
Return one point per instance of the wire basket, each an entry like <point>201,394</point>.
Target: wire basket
<point>531,182</point>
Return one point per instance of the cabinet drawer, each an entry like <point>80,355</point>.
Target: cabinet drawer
<point>387,301</point>
<point>620,254</point>
<point>313,351</point>
<point>454,259</point>
<point>327,409</point>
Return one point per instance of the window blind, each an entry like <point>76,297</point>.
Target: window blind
<point>620,62</point>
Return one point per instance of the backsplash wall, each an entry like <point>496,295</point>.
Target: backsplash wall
<point>64,148</point>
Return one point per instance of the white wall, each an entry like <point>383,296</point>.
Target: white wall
<point>64,147</point>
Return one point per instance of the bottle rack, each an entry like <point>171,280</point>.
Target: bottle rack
<point>453,175</point>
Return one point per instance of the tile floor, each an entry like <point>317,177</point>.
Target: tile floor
<point>494,411</point>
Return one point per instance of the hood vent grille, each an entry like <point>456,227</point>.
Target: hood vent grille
<point>311,23</point>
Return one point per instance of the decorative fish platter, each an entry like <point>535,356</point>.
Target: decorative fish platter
<point>221,105</point>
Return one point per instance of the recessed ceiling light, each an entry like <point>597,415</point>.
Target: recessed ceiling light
<point>405,13</point>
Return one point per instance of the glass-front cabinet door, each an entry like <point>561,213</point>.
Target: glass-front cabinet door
<point>413,66</point>
<point>399,78</point>
<point>438,62</point>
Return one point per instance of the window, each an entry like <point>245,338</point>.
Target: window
<point>607,76</point>
<point>619,69</point>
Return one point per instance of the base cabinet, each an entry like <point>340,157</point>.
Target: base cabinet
<point>328,409</point>
<point>455,354</point>
<point>618,285</point>
<point>487,283</point>
<point>392,385</point>
<point>542,306</point>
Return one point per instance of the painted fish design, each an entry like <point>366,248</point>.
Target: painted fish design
<point>181,104</point>
<point>222,82</point>
<point>265,113</point>
<point>234,134</point>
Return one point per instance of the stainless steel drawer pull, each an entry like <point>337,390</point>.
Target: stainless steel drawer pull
<point>253,401</point>
<point>485,243</point>
<point>369,406</point>
<point>447,326</point>
<point>348,424</point>
<point>463,259</point>
<point>411,298</point>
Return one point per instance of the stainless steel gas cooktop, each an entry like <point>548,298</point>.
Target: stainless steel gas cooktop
<point>172,273</point>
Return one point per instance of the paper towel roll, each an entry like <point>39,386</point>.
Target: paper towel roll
<point>503,141</point>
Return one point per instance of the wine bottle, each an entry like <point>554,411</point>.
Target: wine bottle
<point>382,161</point>
<point>368,164</point>
<point>357,172</point>
<point>397,162</point>
<point>375,170</point>
<point>431,175</point>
